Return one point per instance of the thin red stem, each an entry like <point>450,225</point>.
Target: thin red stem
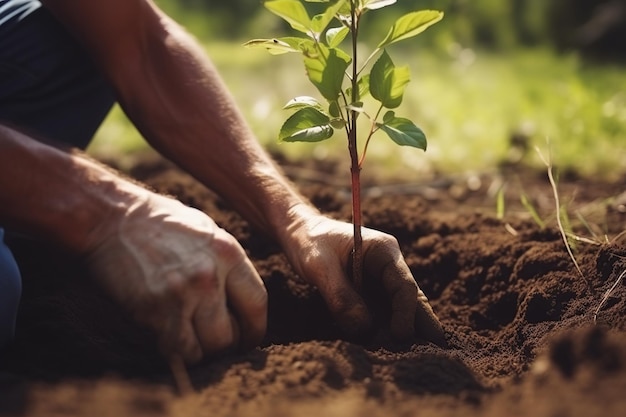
<point>357,221</point>
<point>355,168</point>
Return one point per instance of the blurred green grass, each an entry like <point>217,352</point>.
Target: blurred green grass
<point>469,103</point>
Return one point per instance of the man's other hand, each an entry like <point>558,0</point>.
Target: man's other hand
<point>180,274</point>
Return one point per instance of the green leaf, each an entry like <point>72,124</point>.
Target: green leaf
<point>389,116</point>
<point>363,85</point>
<point>500,202</point>
<point>404,132</point>
<point>338,123</point>
<point>377,4</point>
<point>345,9</point>
<point>326,70</point>
<point>335,36</point>
<point>277,46</point>
<point>293,12</point>
<point>306,125</point>
<point>301,102</point>
<point>387,82</point>
<point>321,21</point>
<point>333,109</point>
<point>410,25</point>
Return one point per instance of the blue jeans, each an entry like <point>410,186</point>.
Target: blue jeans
<point>10,291</point>
<point>49,86</point>
<point>50,89</point>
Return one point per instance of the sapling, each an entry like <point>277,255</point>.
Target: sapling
<point>343,81</point>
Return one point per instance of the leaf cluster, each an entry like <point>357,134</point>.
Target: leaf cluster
<point>328,67</point>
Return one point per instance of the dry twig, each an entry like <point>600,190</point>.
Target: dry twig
<point>181,376</point>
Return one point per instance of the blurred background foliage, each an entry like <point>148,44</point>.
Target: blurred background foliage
<point>490,82</point>
<point>492,24</point>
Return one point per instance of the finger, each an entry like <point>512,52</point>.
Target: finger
<point>214,326</point>
<point>410,311</point>
<point>179,338</point>
<point>181,376</point>
<point>247,298</point>
<point>402,291</point>
<point>384,261</point>
<point>346,306</point>
<point>426,322</point>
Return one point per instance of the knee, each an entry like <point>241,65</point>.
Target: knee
<point>10,293</point>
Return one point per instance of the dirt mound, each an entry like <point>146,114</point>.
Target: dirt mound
<point>519,319</point>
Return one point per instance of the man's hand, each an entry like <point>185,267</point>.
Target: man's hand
<point>321,255</point>
<point>177,272</point>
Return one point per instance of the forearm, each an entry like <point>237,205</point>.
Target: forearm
<point>174,95</point>
<point>55,195</point>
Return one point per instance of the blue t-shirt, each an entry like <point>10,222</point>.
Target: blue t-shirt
<point>16,9</point>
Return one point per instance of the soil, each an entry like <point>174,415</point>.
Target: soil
<point>519,317</point>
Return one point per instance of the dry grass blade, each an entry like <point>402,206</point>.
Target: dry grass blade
<point>531,210</point>
<point>583,239</point>
<point>607,294</point>
<point>500,203</point>
<point>585,223</point>
<point>548,163</point>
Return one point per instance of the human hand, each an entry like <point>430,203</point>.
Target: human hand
<point>180,274</point>
<point>321,255</point>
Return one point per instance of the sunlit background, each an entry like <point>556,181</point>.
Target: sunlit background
<point>490,83</point>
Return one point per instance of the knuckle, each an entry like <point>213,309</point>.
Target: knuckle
<point>341,302</point>
<point>387,240</point>
<point>382,249</point>
<point>206,284</point>
<point>421,297</point>
<point>381,239</point>
<point>401,284</point>
<point>175,285</point>
<point>227,248</point>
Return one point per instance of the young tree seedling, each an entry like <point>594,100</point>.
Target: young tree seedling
<point>343,82</point>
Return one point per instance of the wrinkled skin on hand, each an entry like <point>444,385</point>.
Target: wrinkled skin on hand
<point>180,274</point>
<point>190,281</point>
<point>322,254</point>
